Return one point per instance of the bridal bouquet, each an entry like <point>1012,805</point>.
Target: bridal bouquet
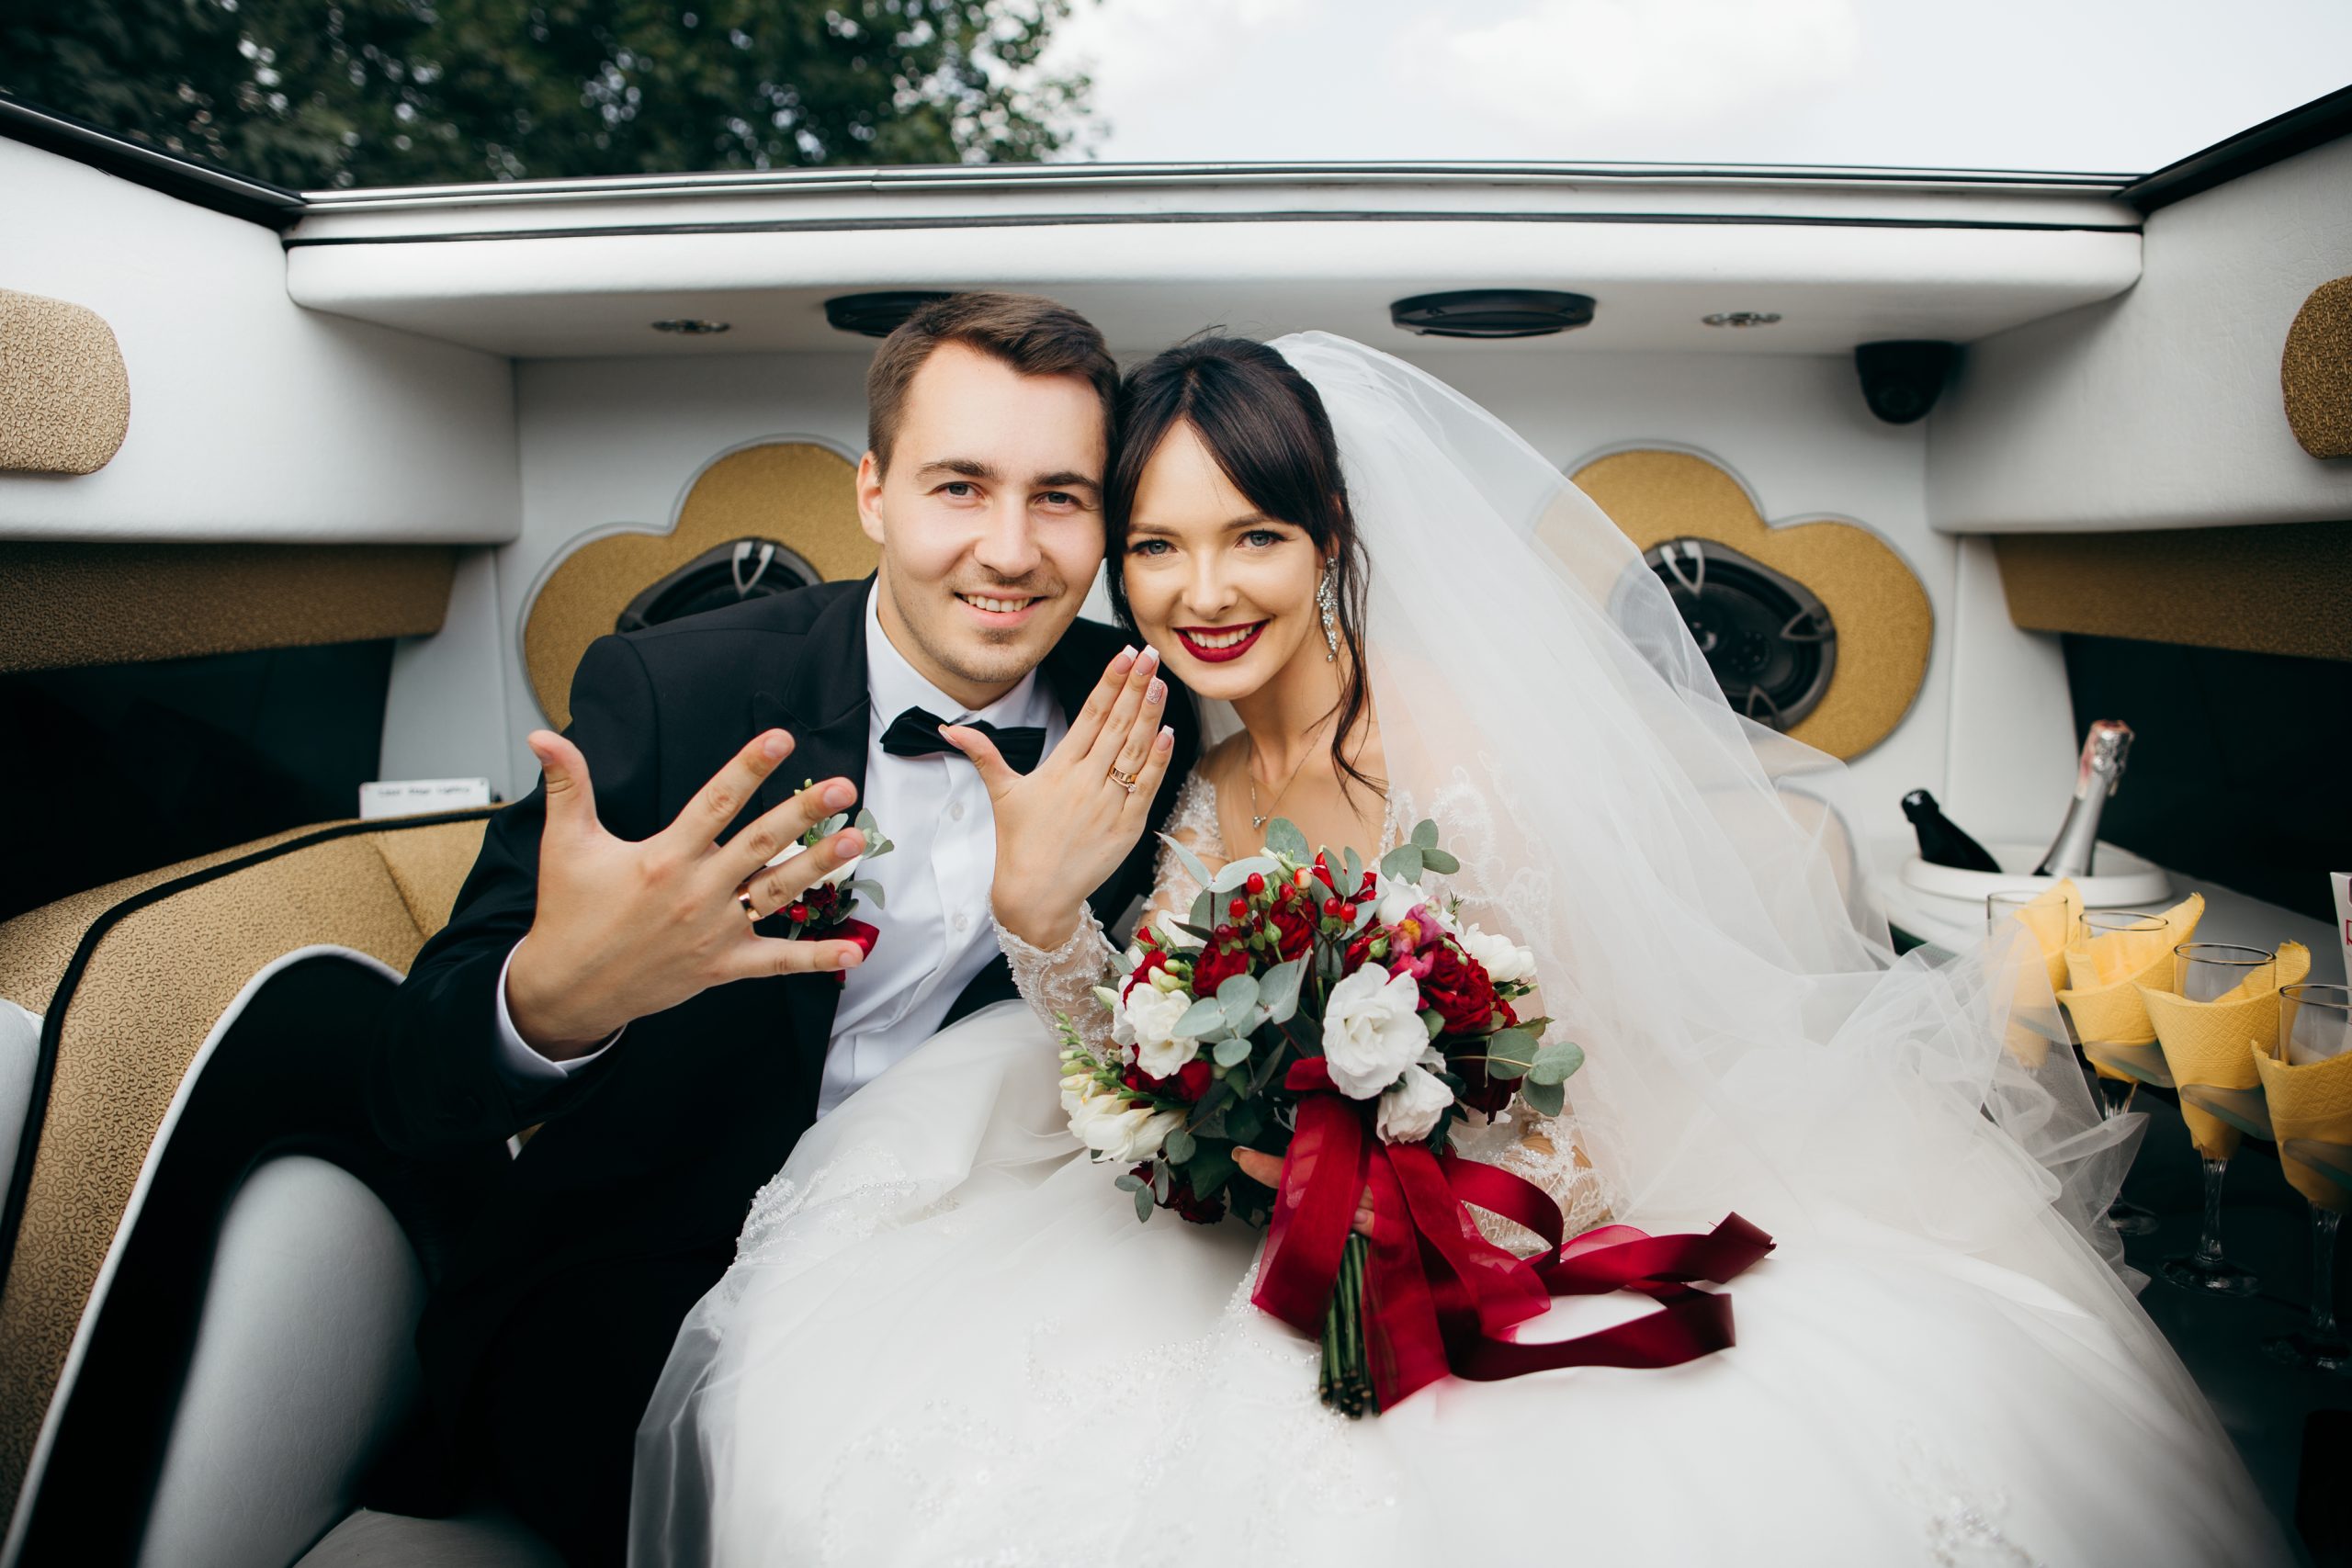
<point>1346,1019</point>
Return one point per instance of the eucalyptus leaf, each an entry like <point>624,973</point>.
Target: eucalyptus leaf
<point>1188,860</point>
<point>1543,1099</point>
<point>1556,1063</point>
<point>1201,1019</point>
<point>1509,1053</point>
<point>1366,912</point>
<point>1402,863</point>
<point>1179,1147</point>
<point>867,887</point>
<point>1129,1182</point>
<point>1143,1202</point>
<point>1124,961</point>
<point>1283,837</point>
<point>1238,997</point>
<point>1354,863</point>
<point>1231,1050</point>
<point>1161,1183</point>
<point>1209,1170</point>
<point>1434,1022</point>
<point>1425,833</point>
<point>1278,992</point>
<point>867,825</point>
<point>1203,913</point>
<point>1440,861</point>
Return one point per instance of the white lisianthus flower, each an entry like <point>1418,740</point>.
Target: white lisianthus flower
<point>1372,1030</point>
<point>1119,1130</point>
<point>833,878</point>
<point>1173,940</point>
<point>1410,1111</point>
<point>1151,1016</point>
<point>1502,958</point>
<point>1397,901</point>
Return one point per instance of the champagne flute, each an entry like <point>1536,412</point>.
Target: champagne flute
<point>2315,1023</point>
<point>2115,1092</point>
<point>2206,971</point>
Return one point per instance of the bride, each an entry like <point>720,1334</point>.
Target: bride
<point>946,1339</point>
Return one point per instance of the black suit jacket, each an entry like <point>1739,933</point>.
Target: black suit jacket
<point>657,1146</point>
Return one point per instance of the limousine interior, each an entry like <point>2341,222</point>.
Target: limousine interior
<point>311,501</point>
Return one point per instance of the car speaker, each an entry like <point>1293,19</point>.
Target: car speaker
<point>722,575</point>
<point>1768,640</point>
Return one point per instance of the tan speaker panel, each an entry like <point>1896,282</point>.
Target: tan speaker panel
<point>1885,623</point>
<point>64,395</point>
<point>2315,372</point>
<point>795,492</point>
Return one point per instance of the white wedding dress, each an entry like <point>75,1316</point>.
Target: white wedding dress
<point>946,1339</point>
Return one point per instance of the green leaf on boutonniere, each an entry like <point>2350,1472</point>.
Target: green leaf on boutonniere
<point>1283,837</point>
<point>864,887</point>
<point>1440,861</point>
<point>1200,1018</point>
<point>1544,1099</point>
<point>1231,1050</point>
<point>1425,833</point>
<point>1402,863</point>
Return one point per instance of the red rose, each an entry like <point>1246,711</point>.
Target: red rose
<point>1200,1210</point>
<point>1294,929</point>
<point>1217,963</point>
<point>1459,988</point>
<point>1480,1092</point>
<point>1193,1079</point>
<point>1153,962</point>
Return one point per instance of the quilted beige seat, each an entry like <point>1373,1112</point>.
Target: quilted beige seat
<point>214,1271</point>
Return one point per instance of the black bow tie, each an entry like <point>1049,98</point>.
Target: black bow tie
<point>915,733</point>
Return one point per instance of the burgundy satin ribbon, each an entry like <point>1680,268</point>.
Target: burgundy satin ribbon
<point>1441,1298</point>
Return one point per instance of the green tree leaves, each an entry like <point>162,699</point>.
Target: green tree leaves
<point>401,92</point>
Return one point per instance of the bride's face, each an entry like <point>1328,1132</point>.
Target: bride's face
<point>1225,594</point>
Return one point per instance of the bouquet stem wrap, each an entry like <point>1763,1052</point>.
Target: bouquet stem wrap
<point>1438,1297</point>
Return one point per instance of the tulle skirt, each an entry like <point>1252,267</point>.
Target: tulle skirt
<point>948,1340</point>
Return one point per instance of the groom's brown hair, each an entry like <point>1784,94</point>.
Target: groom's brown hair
<point>1033,336</point>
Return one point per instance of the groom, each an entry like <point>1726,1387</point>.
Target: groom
<point>596,979</point>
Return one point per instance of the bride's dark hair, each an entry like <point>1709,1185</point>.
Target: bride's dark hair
<point>1265,425</point>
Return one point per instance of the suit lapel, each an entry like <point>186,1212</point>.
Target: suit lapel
<point>820,700</point>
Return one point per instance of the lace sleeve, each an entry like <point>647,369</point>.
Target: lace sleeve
<point>1059,983</point>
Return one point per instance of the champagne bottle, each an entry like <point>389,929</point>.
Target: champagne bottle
<point>1940,840</point>
<point>2096,777</point>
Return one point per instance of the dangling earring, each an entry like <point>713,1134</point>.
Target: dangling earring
<point>1326,597</point>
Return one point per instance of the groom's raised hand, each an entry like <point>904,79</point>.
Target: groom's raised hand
<point>1063,828</point>
<point>623,930</point>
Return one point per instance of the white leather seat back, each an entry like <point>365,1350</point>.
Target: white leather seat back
<point>304,1363</point>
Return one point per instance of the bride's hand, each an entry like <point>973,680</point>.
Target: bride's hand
<point>1063,829</point>
<point>1266,1171</point>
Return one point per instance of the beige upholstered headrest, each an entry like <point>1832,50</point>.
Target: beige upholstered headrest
<point>798,493</point>
<point>64,395</point>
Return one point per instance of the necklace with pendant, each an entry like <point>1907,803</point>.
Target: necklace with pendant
<point>1250,771</point>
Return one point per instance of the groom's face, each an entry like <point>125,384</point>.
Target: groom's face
<point>989,516</point>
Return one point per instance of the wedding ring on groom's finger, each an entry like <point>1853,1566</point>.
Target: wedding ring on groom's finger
<point>1126,782</point>
<point>743,896</point>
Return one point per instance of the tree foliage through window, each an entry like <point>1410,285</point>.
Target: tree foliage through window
<point>414,92</point>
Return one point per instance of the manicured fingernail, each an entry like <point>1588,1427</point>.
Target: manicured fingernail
<point>1157,692</point>
<point>849,843</point>
<point>838,794</point>
<point>1126,659</point>
<point>1166,737</point>
<point>1150,658</point>
<point>773,747</point>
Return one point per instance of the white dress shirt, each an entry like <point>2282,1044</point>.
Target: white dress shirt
<point>936,937</point>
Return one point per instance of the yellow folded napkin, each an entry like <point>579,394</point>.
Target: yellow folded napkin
<point>2313,1101</point>
<point>2206,1041</point>
<point>2105,974</point>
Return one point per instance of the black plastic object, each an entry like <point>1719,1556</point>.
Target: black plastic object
<point>1902,380</point>
<point>722,575</point>
<point>1941,842</point>
<point>877,315</point>
<point>1492,312</point>
<point>1768,638</point>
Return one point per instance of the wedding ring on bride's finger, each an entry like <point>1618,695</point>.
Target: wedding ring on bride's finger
<point>1126,782</point>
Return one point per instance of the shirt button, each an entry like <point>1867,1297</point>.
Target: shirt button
<point>955,812</point>
<point>963,922</point>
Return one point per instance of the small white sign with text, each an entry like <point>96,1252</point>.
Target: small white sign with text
<point>411,797</point>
